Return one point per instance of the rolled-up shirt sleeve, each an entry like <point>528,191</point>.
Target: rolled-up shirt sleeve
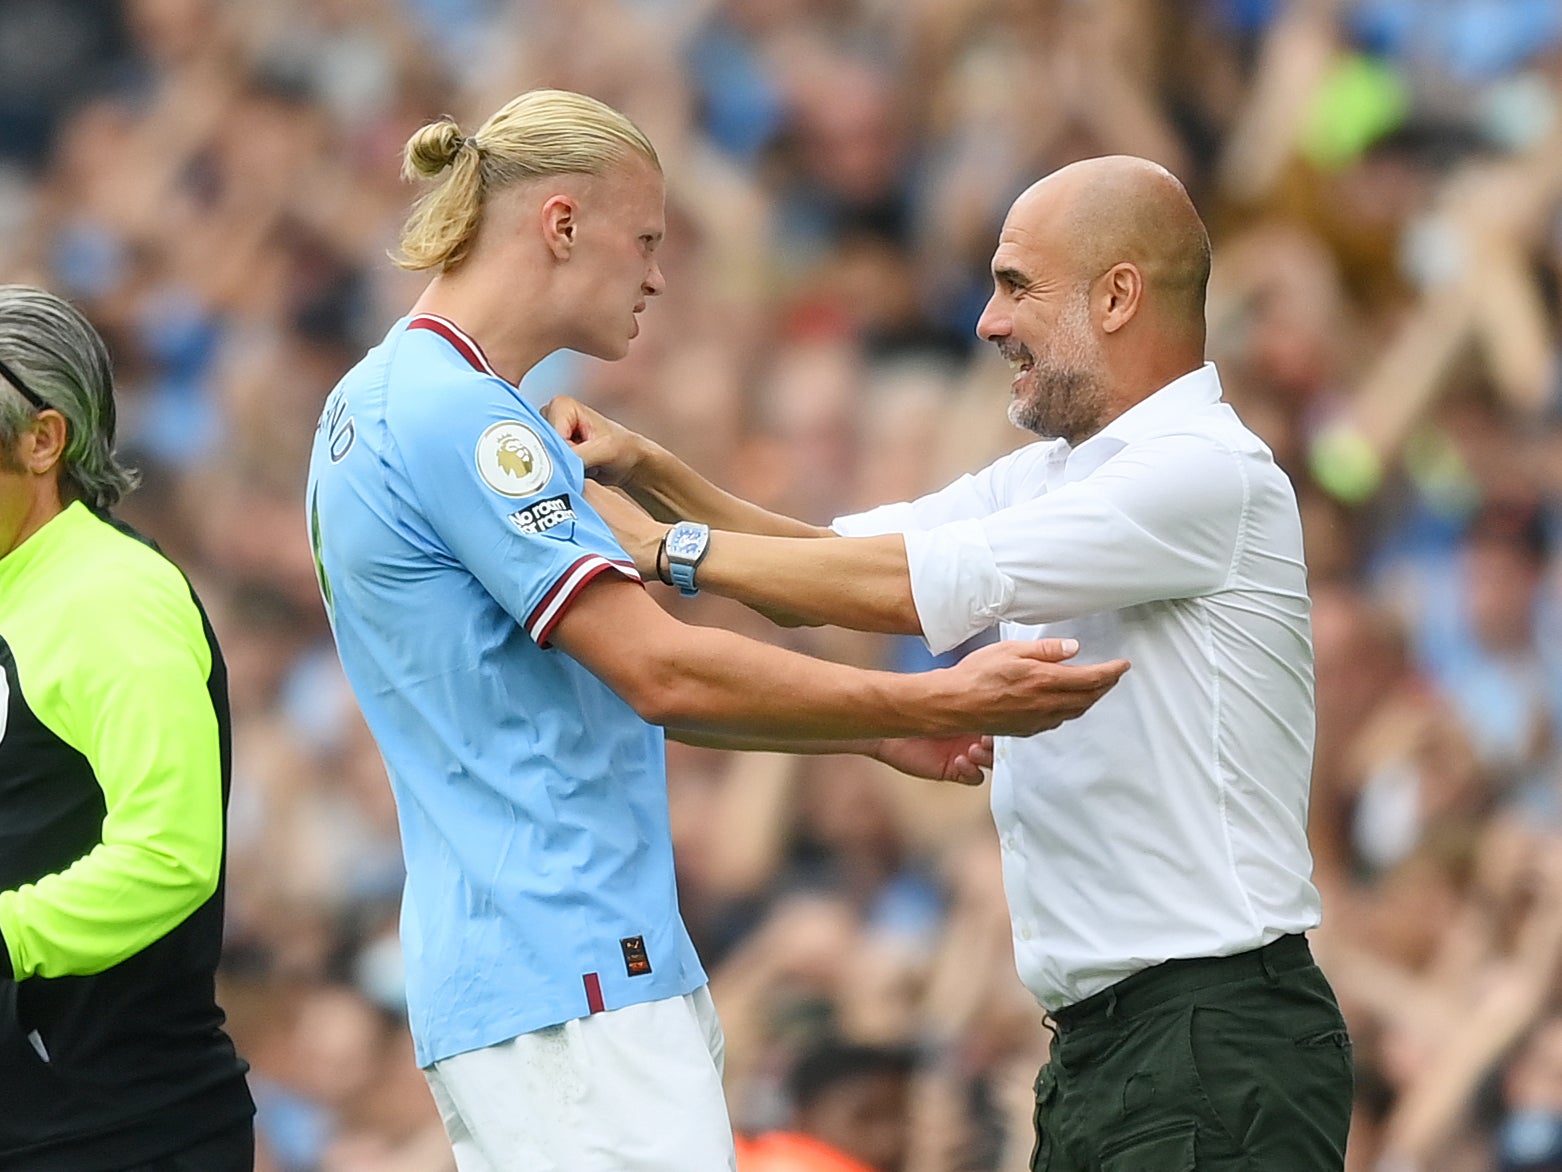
<point>895,518</point>
<point>1161,520</point>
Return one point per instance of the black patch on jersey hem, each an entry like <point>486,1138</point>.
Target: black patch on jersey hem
<point>635,960</point>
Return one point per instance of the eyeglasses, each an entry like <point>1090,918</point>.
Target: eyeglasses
<point>22,388</point>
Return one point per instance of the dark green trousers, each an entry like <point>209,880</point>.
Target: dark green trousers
<point>1238,1062</point>
<point>230,1150</point>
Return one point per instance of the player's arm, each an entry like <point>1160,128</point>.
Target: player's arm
<point>659,481</point>
<point>145,722</point>
<point>769,579</point>
<point>1162,521</point>
<point>959,758</point>
<point>713,681</point>
<point>564,582</point>
<point>859,582</point>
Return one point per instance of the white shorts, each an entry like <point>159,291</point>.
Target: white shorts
<point>636,1089</point>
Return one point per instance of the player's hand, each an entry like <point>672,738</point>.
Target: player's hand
<point>611,452</point>
<point>637,531</point>
<point>959,759</point>
<point>1020,688</point>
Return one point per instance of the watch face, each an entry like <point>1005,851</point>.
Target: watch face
<point>686,543</point>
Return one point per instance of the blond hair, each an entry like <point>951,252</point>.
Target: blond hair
<point>542,132</point>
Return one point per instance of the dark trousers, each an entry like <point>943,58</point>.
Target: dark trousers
<point>230,1150</point>
<point>1229,1063</point>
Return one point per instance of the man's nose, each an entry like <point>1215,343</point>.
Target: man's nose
<point>654,281</point>
<point>992,324</point>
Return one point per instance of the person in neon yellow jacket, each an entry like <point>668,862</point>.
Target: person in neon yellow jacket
<point>114,772</point>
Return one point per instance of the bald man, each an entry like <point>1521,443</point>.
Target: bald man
<point>1154,851</point>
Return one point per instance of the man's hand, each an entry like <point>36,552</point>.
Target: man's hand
<point>958,759</point>
<point>611,452</point>
<point>657,480</point>
<point>1020,688</point>
<point>637,531</point>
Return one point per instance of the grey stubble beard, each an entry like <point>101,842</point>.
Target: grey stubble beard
<point>1066,398</point>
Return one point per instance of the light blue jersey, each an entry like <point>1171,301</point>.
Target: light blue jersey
<point>450,535</point>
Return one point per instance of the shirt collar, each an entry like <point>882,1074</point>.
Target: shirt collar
<point>42,540</point>
<point>1152,415</point>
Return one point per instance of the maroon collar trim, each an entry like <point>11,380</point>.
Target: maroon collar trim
<point>452,333</point>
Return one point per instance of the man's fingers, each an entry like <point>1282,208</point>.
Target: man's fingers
<point>591,450</point>
<point>563,413</point>
<point>1112,671</point>
<point>1079,703</point>
<point>1093,677</point>
<point>580,428</point>
<point>965,772</point>
<point>1081,677</point>
<point>1052,650</point>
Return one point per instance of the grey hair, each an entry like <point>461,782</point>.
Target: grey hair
<point>63,361</point>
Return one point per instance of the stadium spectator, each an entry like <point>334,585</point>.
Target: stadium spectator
<point>849,1113</point>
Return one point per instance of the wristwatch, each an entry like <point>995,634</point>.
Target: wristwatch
<point>686,544</point>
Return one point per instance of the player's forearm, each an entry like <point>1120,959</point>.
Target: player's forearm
<point>709,680</point>
<point>670,490</point>
<point>708,739</point>
<point>717,682</point>
<point>860,583</point>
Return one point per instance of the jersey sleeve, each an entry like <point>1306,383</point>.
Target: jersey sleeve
<point>501,493</point>
<point>144,720</point>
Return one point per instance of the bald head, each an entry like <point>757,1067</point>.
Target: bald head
<point>1098,293</point>
<point>1124,210</point>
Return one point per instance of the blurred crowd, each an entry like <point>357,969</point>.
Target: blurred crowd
<point>215,182</point>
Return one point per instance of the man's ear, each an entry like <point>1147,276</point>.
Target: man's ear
<point>560,216</point>
<point>41,446</point>
<point>1122,288</point>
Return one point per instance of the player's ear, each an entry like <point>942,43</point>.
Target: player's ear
<point>560,217</point>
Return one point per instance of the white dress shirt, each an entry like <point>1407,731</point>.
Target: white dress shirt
<point>1169,820</point>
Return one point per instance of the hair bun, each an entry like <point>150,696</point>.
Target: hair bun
<point>432,148</point>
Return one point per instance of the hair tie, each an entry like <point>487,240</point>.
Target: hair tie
<point>471,141</point>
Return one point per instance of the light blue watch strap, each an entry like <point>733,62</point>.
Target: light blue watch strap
<point>686,543</point>
<point>682,574</point>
